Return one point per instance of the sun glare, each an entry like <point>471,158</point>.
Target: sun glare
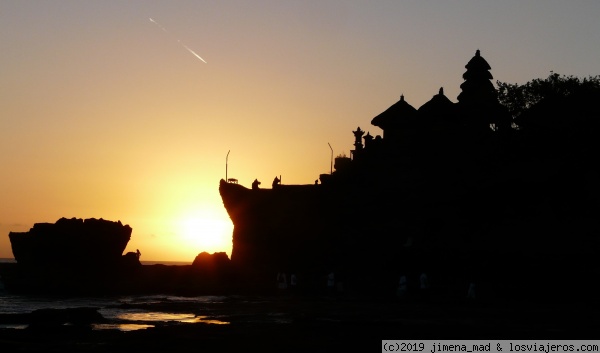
<point>203,231</point>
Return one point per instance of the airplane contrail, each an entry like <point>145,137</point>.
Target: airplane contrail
<point>178,41</point>
<point>156,23</point>
<point>193,52</point>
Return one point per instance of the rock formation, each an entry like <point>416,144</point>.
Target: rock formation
<point>71,244</point>
<point>451,189</point>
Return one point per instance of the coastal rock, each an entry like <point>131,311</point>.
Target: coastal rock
<point>58,317</point>
<point>130,261</point>
<point>451,189</point>
<point>216,265</point>
<point>74,243</point>
<point>211,262</point>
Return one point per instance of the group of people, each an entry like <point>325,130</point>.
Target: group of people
<point>256,183</point>
<point>282,282</point>
<point>425,287</point>
<point>332,285</point>
<point>335,286</point>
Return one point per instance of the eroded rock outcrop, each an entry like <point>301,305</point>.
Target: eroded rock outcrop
<point>452,189</point>
<point>71,243</point>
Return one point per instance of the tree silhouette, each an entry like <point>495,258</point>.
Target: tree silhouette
<point>519,98</point>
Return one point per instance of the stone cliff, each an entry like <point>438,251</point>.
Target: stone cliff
<point>452,189</point>
<point>71,243</point>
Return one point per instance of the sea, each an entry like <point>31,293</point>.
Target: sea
<point>124,313</point>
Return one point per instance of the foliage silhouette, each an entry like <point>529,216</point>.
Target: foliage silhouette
<point>519,98</point>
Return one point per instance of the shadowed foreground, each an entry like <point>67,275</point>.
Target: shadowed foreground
<point>318,324</point>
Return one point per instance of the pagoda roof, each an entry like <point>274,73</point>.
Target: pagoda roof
<point>477,75</point>
<point>439,104</point>
<point>480,85</point>
<point>477,87</point>
<point>478,63</point>
<point>399,114</point>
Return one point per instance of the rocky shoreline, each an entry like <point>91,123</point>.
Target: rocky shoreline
<point>291,323</point>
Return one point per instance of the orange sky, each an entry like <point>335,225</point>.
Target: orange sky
<point>106,114</point>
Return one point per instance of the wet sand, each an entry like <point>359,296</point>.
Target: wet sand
<point>286,323</point>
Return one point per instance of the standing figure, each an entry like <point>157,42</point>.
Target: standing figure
<point>281,280</point>
<point>402,287</point>
<point>331,282</point>
<point>293,281</point>
<point>276,182</point>
<point>424,286</point>
<point>471,291</point>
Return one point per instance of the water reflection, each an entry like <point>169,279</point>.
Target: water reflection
<point>210,321</point>
<point>155,316</point>
<point>165,317</point>
<point>124,313</point>
<point>144,320</point>
<point>14,326</point>
<point>121,327</point>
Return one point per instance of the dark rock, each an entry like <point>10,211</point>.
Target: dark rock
<point>73,316</point>
<point>72,257</point>
<point>71,243</point>
<point>131,260</point>
<point>211,262</point>
<point>452,189</point>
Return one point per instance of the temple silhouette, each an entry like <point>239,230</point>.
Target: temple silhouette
<point>460,190</point>
<point>456,195</point>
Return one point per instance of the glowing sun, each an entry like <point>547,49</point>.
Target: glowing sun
<point>206,232</point>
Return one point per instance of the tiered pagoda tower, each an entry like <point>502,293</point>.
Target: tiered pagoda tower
<point>478,101</point>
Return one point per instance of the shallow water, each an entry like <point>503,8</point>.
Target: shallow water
<point>17,304</point>
<point>125,313</point>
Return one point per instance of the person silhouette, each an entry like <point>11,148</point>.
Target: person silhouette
<point>276,182</point>
<point>471,290</point>
<point>402,286</point>
<point>293,281</point>
<point>331,282</point>
<point>424,286</point>
<point>281,280</point>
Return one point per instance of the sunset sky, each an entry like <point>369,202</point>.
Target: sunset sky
<point>106,113</point>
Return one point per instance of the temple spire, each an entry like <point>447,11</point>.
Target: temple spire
<point>478,87</point>
<point>479,98</point>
